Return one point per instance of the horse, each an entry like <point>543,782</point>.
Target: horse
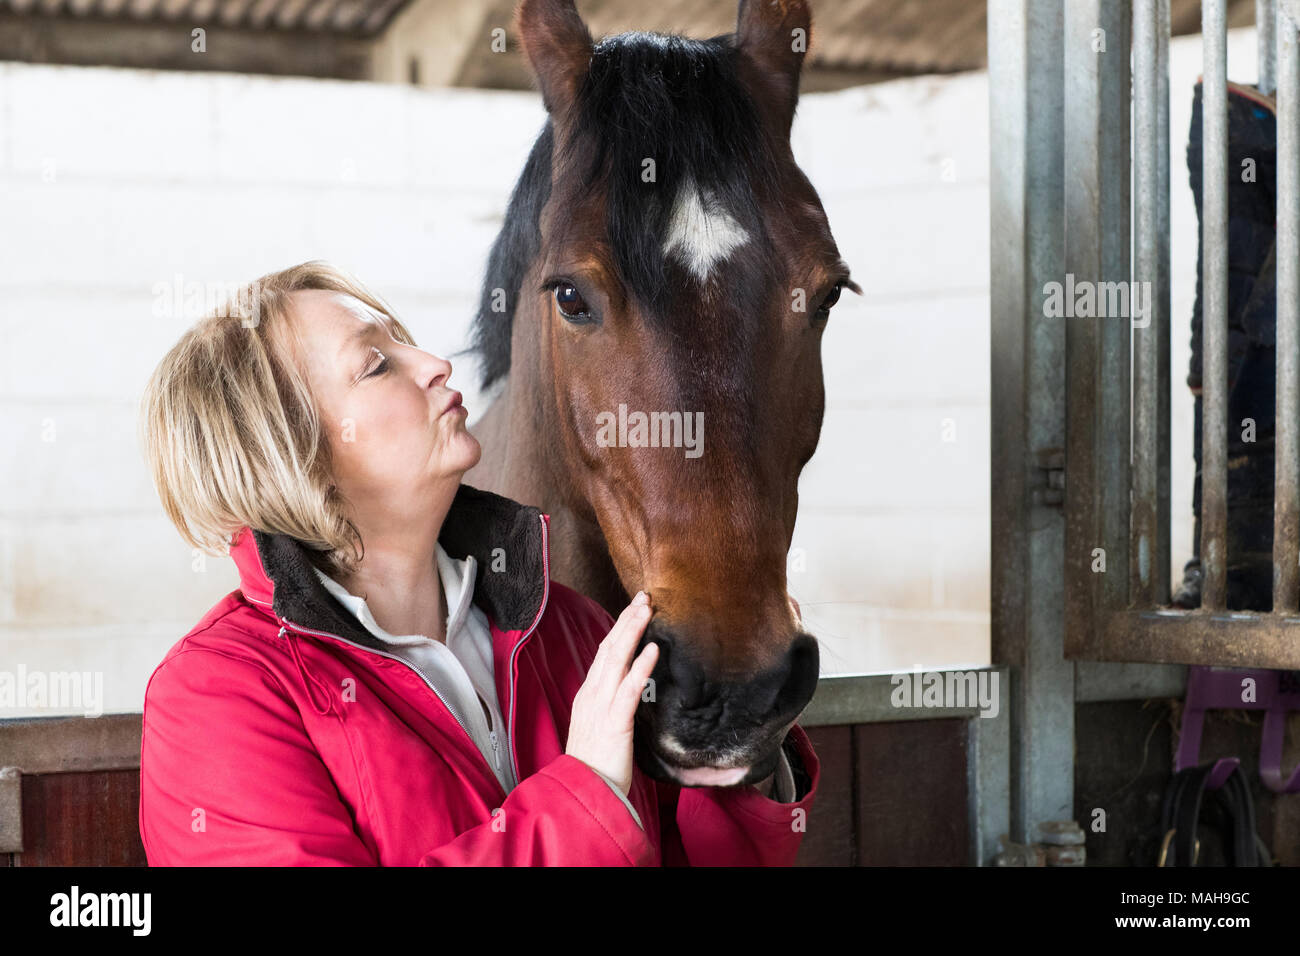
<point>651,320</point>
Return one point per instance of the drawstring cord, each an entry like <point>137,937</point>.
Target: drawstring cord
<point>308,678</point>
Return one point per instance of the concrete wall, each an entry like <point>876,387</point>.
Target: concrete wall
<point>117,186</point>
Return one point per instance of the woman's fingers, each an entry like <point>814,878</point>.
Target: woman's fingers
<point>611,641</point>
<point>622,641</point>
<point>601,723</point>
<point>628,697</point>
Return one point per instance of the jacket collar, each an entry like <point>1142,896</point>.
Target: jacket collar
<point>276,574</point>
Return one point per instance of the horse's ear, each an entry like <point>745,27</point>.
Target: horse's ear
<point>558,47</point>
<point>773,35</point>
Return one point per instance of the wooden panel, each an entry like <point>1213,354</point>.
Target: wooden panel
<point>911,793</point>
<point>829,841</point>
<point>82,819</point>
<point>890,794</point>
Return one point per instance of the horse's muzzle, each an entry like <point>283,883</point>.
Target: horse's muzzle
<point>695,730</point>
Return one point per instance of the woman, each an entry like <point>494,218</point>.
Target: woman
<point>396,681</point>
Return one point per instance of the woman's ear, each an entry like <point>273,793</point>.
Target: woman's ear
<point>558,47</point>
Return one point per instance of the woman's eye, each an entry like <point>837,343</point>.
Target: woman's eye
<point>570,301</point>
<point>379,369</point>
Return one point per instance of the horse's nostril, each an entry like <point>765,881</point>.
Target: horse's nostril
<point>804,661</point>
<point>687,679</point>
<point>675,668</point>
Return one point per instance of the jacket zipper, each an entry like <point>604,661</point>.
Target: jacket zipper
<point>492,732</point>
<point>514,655</point>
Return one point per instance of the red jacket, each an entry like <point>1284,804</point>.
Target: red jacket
<point>277,732</point>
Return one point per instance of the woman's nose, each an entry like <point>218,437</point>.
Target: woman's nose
<point>439,369</point>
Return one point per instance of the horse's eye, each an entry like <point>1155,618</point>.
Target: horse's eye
<point>824,310</point>
<point>570,301</point>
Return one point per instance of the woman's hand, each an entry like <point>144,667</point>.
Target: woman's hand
<point>600,726</point>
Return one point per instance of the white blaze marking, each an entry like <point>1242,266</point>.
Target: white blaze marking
<point>700,232</point>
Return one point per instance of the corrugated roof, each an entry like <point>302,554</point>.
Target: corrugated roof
<point>362,18</point>
<point>853,41</point>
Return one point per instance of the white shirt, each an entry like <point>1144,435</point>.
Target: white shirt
<point>462,669</point>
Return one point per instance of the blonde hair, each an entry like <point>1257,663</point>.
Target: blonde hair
<point>231,430</point>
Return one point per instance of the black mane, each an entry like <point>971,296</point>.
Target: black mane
<point>672,99</point>
<point>515,247</point>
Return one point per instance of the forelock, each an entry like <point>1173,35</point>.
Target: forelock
<point>667,132</point>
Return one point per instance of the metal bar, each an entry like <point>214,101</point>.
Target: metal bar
<point>1027,229</point>
<point>1265,34</point>
<point>869,699</point>
<point>1103,680</point>
<point>1151,329</point>
<point>1098,335</point>
<point>1286,491</point>
<point>1214,258</point>
<point>1162,303</point>
<point>1222,639</point>
<point>1115,371</point>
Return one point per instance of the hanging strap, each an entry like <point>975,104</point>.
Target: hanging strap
<point>1181,811</point>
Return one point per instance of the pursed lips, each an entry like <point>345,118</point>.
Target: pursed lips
<point>456,399</point>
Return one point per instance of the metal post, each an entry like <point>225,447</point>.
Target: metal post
<point>1214,287</point>
<point>988,770</point>
<point>1149,568</point>
<point>1286,503</point>
<point>1162,299</point>
<point>1098,265</point>
<point>1028,393</point>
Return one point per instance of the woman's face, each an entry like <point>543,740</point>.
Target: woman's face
<point>393,429</point>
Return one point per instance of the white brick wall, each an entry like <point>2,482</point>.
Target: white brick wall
<point>893,519</point>
<point>113,182</point>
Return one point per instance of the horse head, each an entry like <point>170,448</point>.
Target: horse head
<point>674,271</point>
